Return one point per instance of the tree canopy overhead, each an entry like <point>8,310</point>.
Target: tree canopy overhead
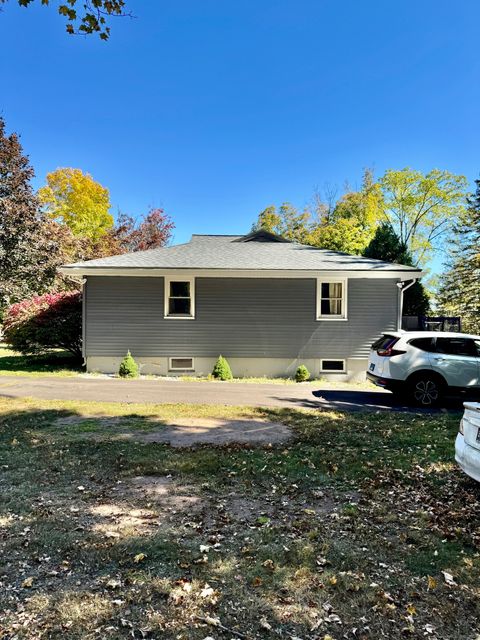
<point>422,207</point>
<point>87,16</point>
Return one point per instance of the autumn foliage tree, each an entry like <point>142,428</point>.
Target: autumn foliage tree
<point>75,199</point>
<point>42,323</point>
<point>30,250</point>
<point>153,230</point>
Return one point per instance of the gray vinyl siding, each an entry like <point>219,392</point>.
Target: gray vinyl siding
<point>238,317</point>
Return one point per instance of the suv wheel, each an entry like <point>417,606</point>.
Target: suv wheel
<point>426,390</point>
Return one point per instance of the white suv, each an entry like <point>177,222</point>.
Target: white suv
<point>425,365</point>
<point>467,444</point>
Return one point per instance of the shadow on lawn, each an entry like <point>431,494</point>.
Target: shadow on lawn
<point>342,400</point>
<point>52,362</point>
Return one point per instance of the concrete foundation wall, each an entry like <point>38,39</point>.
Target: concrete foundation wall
<point>241,367</point>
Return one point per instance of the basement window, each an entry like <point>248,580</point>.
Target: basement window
<point>180,364</point>
<point>332,366</point>
<point>180,298</point>
<point>332,299</point>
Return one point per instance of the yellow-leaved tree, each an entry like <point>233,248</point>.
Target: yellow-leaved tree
<point>74,198</point>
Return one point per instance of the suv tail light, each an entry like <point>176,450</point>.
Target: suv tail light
<point>391,352</point>
<point>387,349</point>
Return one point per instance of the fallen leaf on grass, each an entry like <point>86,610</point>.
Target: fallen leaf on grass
<point>27,583</point>
<point>214,622</point>
<point>207,591</point>
<point>113,583</point>
<point>448,578</point>
<point>265,624</point>
<point>139,557</point>
<point>432,583</point>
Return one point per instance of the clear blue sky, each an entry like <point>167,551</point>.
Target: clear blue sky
<point>216,109</point>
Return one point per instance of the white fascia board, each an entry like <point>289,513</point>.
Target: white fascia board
<point>238,273</point>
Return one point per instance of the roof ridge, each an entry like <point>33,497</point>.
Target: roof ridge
<point>217,235</point>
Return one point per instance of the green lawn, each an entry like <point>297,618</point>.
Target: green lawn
<point>59,363</point>
<point>342,533</point>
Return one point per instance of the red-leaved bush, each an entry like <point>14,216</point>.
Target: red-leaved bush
<point>42,323</point>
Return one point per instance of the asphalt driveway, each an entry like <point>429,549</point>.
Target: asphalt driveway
<point>309,396</point>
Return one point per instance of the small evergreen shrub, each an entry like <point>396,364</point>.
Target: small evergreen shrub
<point>302,373</point>
<point>221,370</point>
<point>128,367</point>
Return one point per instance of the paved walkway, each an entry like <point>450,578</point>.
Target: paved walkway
<point>159,391</point>
<point>309,396</point>
<point>305,396</point>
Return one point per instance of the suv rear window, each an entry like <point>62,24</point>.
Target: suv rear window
<point>424,344</point>
<point>383,343</point>
<point>456,346</point>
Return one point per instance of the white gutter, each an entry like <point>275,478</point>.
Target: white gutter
<point>154,272</point>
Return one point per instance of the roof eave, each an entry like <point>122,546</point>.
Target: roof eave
<point>78,270</point>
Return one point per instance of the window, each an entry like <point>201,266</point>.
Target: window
<point>477,347</point>
<point>424,344</point>
<point>332,366</point>
<point>456,346</point>
<point>332,299</point>
<point>180,298</point>
<point>180,364</point>
<point>384,342</point>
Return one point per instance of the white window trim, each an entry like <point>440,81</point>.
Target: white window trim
<point>171,368</point>
<point>166,293</point>
<point>344,370</point>
<point>326,280</point>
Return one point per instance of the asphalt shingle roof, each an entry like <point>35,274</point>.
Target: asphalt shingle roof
<point>232,252</point>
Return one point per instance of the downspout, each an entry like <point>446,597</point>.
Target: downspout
<point>402,288</point>
<point>83,282</point>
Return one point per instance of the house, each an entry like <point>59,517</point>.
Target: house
<point>265,303</point>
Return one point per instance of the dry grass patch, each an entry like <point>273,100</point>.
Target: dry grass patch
<point>347,530</point>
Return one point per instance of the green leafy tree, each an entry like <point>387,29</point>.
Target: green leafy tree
<point>75,199</point>
<point>422,207</point>
<point>343,235</point>
<point>87,17</point>
<point>349,224</point>
<point>29,248</point>
<point>459,290</point>
<point>387,246</point>
<point>285,221</point>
